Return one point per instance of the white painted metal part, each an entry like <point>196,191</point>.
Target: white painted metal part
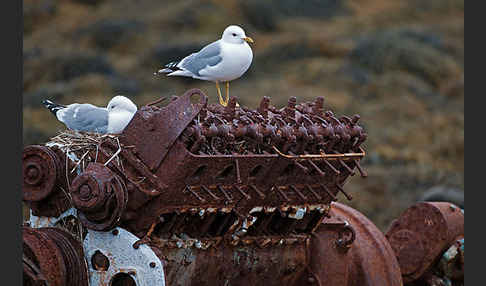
<point>123,258</point>
<point>48,221</point>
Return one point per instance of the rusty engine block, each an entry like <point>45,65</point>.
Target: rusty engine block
<point>198,194</point>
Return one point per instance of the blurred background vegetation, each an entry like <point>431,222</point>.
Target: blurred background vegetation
<point>399,64</point>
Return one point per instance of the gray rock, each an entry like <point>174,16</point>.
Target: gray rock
<point>444,194</point>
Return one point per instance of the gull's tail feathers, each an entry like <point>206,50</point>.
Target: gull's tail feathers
<point>169,68</point>
<point>53,107</point>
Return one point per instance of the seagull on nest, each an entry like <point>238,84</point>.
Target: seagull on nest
<point>89,118</point>
<point>224,60</point>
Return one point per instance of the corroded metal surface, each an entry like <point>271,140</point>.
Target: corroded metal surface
<point>422,233</point>
<point>53,257</point>
<point>161,127</point>
<point>371,259</point>
<point>276,264</point>
<point>217,195</point>
<point>346,249</point>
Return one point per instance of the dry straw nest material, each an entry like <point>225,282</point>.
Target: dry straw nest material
<point>83,148</point>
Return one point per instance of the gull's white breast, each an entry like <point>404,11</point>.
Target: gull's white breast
<point>118,120</point>
<point>236,59</point>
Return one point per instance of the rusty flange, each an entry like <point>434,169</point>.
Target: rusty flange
<point>40,249</point>
<point>73,255</point>
<point>100,196</point>
<point>53,257</point>
<point>422,233</point>
<point>348,249</point>
<point>44,180</point>
<point>41,168</point>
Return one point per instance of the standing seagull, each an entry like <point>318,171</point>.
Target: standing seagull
<point>87,117</point>
<point>224,60</point>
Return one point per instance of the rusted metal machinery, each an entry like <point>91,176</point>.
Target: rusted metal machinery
<point>428,241</point>
<point>198,194</point>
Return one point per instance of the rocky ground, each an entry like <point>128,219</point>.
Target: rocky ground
<point>399,64</point>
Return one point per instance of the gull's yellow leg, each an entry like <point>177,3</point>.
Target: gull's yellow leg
<point>221,101</point>
<point>227,92</point>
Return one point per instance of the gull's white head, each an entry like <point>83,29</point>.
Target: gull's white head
<point>235,35</point>
<point>120,113</point>
<point>121,103</point>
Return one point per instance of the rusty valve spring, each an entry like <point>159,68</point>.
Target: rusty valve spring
<point>295,129</point>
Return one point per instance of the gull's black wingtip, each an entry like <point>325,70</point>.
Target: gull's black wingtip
<point>53,107</point>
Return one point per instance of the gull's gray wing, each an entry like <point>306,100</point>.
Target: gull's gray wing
<point>84,117</point>
<point>210,55</point>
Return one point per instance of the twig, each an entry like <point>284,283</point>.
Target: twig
<point>114,155</point>
<point>80,160</point>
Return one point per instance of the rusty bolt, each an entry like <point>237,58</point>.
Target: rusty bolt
<point>87,192</point>
<point>152,264</point>
<point>114,232</point>
<point>84,192</point>
<point>33,174</point>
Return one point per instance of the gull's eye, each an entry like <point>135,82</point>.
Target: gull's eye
<point>234,34</point>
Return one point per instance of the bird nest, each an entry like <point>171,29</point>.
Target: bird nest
<point>82,148</point>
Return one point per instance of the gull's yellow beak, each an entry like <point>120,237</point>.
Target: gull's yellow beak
<point>249,40</point>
